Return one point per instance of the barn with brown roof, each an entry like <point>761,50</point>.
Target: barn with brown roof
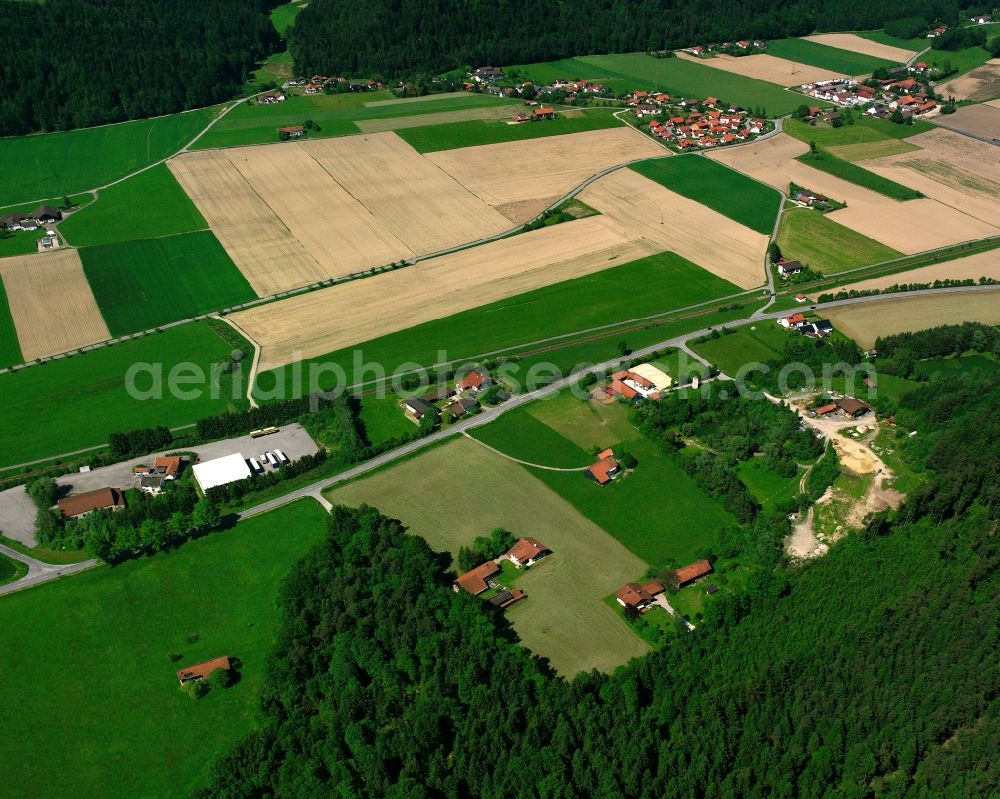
<point>199,671</point>
<point>638,597</point>
<point>100,498</point>
<point>476,581</point>
<point>693,571</point>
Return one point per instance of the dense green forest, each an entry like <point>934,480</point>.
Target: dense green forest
<point>389,38</point>
<point>870,672</point>
<point>76,63</point>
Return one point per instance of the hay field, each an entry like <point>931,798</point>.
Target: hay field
<point>951,168</point>
<point>766,67</point>
<point>688,228</point>
<point>424,207</point>
<point>867,321</point>
<point>909,227</point>
<point>849,41</point>
<point>335,229</point>
<point>981,83</point>
<point>535,168</point>
<point>440,118</point>
<point>329,319</point>
<point>51,303</point>
<point>525,210</point>
<point>263,248</point>
<point>564,617</point>
<point>971,266</point>
<point>867,150</point>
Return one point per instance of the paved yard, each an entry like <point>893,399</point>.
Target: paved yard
<point>292,439</point>
<point>17,515</point>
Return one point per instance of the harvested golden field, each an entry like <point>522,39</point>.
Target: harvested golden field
<point>441,117</point>
<point>909,227</point>
<point>688,228</point>
<point>337,317</point>
<point>424,207</point>
<point>867,150</point>
<point>951,168</point>
<point>546,167</point>
<point>263,248</point>
<point>51,303</point>
<point>765,67</point>
<point>564,617</point>
<point>337,230</point>
<point>856,44</point>
<point>972,266</point>
<point>867,321</point>
<point>981,83</point>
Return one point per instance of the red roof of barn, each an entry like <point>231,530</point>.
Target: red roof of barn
<point>475,581</point>
<point>693,571</point>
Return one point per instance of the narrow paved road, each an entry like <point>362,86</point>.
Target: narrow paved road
<point>39,572</point>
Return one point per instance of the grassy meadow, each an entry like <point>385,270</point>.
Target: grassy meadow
<point>765,485</point>
<point>520,435</point>
<point>838,167</point>
<point>55,164</point>
<point>117,718</point>
<point>452,135</point>
<point>451,494</point>
<point>72,403</point>
<point>760,342</point>
<point>335,114</point>
<point>677,76</point>
<point>824,56</point>
<point>148,205</point>
<point>10,349</point>
<point>722,189</point>
<point>283,16</point>
<point>141,284</point>
<point>827,246</point>
<point>636,289</point>
<point>863,129</point>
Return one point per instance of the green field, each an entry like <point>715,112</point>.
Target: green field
<point>955,367</point>
<point>145,206</point>
<point>725,190</point>
<point>21,242</point>
<point>835,59</point>
<point>54,164</point>
<point>838,167</point>
<point>588,425</point>
<point>451,494</point>
<point>522,436</point>
<point>86,662</point>
<point>141,284</point>
<point>283,16</point>
<point>863,129</point>
<point>757,343</point>
<point>383,419</point>
<point>71,403</point>
<point>11,570</point>
<point>677,76</point>
<point>10,349</point>
<point>826,246</point>
<point>636,289</point>
<point>335,114</point>
<point>452,135</point>
<point>766,486</point>
<point>962,60</point>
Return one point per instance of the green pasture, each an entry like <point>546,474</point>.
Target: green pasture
<point>71,403</point>
<point>824,56</point>
<point>87,661</point>
<point>55,164</point>
<point>826,246</point>
<point>147,205</point>
<point>725,190</point>
<point>142,284</point>
<point>10,349</point>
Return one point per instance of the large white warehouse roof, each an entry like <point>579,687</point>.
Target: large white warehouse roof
<point>221,471</point>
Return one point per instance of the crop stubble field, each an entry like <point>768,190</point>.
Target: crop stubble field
<point>766,67</point>
<point>692,230</point>
<point>856,44</point>
<point>981,83</point>
<point>564,617</point>
<point>983,264</point>
<point>908,227</point>
<point>958,171</point>
<point>51,303</point>
<point>331,318</point>
<point>865,323</point>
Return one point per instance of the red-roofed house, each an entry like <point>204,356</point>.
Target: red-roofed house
<point>77,505</point>
<point>605,470</point>
<point>795,320</point>
<point>526,552</point>
<point>199,671</point>
<point>711,101</point>
<point>474,381</point>
<point>476,581</point>
<point>638,597</point>
<point>823,410</point>
<point>691,572</point>
<point>544,113</point>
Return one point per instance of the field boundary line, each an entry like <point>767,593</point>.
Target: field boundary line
<point>465,433</point>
